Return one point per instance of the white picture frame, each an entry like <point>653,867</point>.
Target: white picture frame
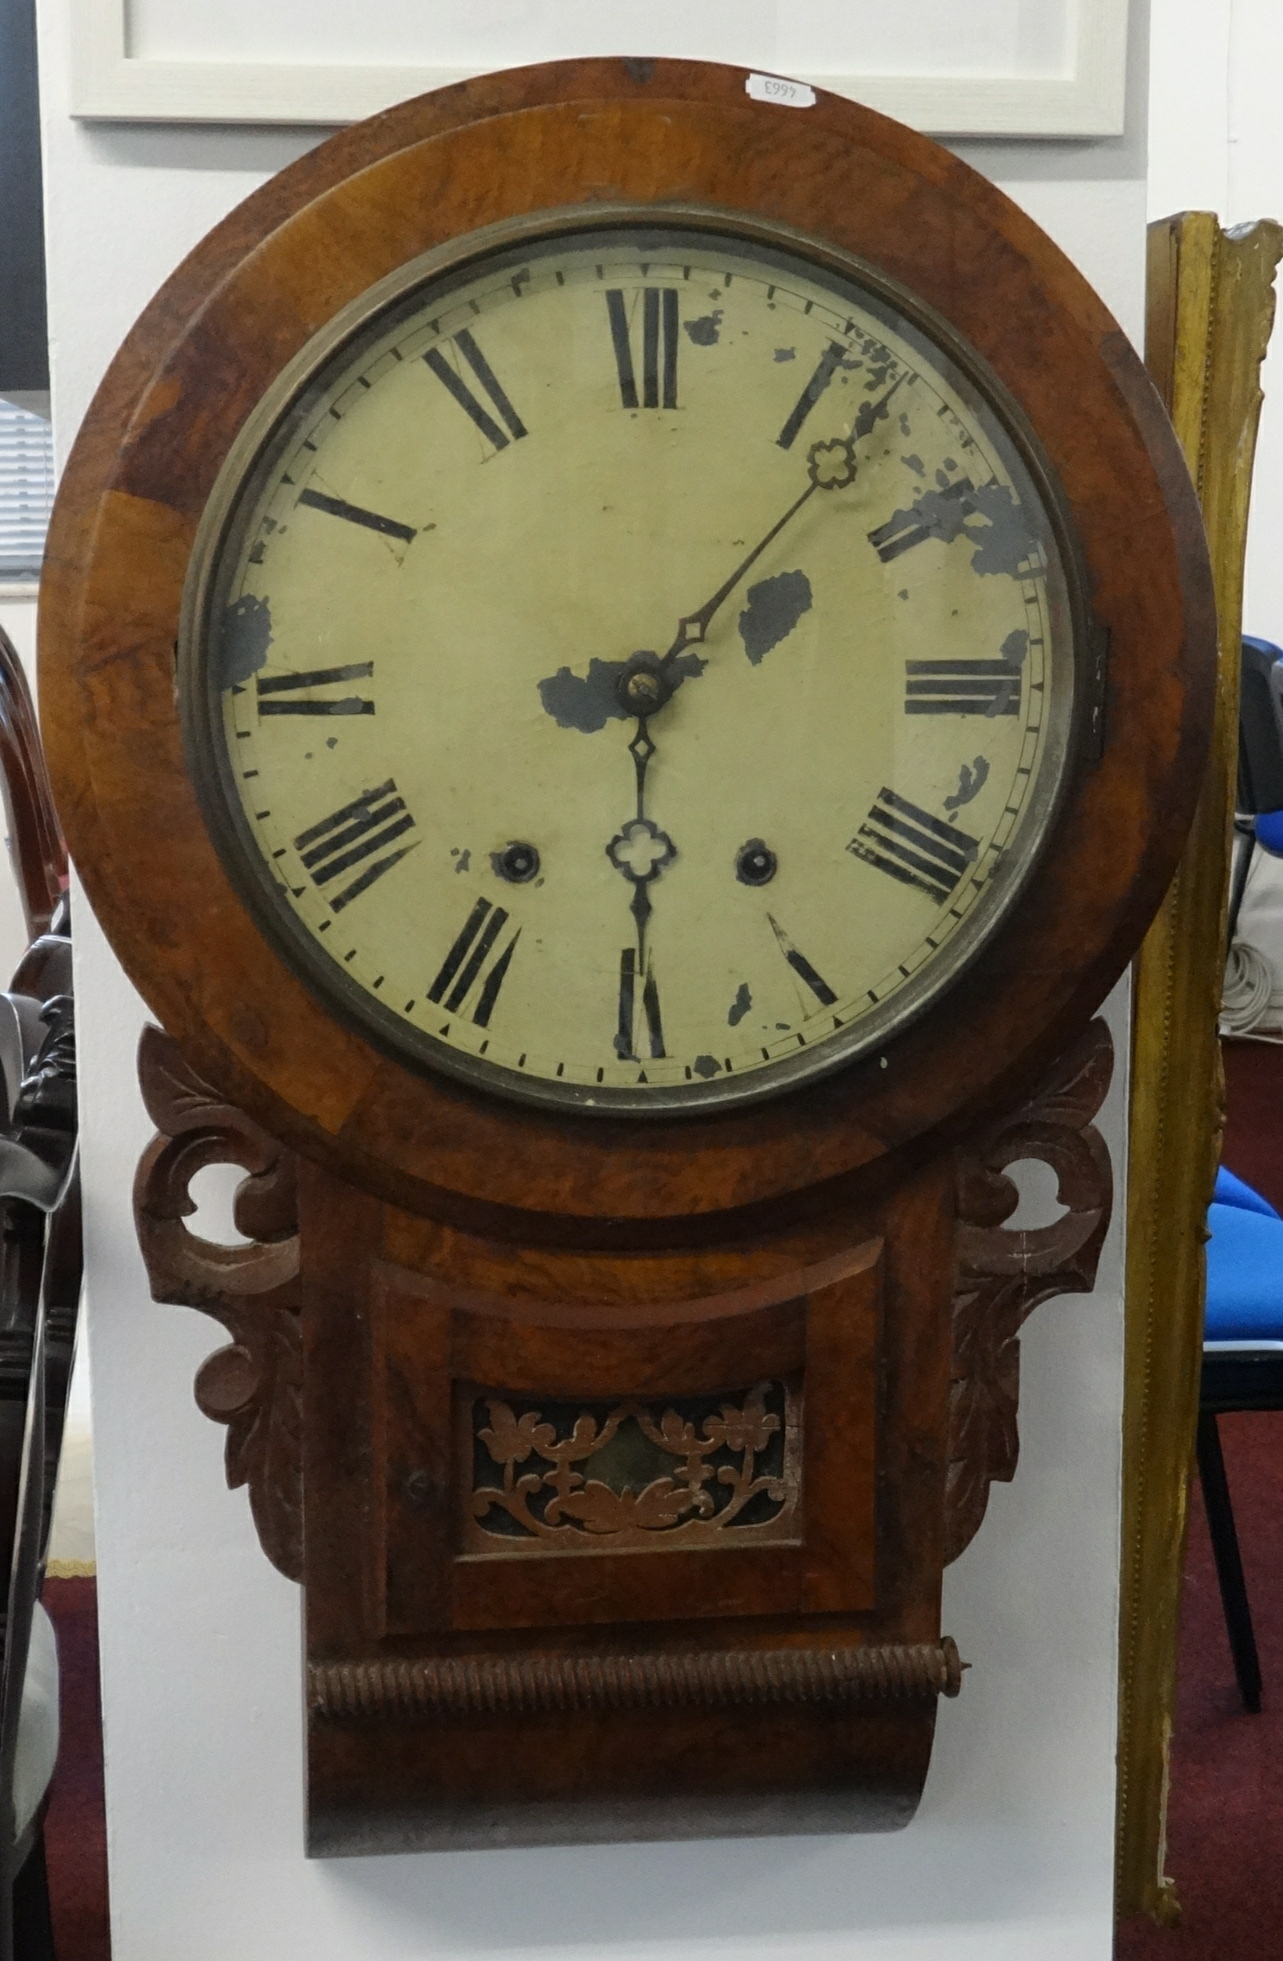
<point>111,84</point>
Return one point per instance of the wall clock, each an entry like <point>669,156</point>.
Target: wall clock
<point>625,665</point>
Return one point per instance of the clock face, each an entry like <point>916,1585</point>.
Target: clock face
<point>632,668</point>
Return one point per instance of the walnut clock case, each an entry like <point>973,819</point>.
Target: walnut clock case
<point>624,667</point>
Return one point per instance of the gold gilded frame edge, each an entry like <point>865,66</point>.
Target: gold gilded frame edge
<point>1210,310</point>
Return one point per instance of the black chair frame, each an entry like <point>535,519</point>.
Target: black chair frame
<point>1238,1380</point>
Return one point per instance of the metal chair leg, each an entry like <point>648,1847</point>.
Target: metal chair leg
<point>1229,1563</point>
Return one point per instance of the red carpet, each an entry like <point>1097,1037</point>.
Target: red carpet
<point>1225,1818</point>
<point>1225,1824</point>
<point>75,1829</point>
<point>1253,1145</point>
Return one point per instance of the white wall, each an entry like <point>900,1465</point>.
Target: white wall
<point>1216,145</point>
<point>1011,1857</point>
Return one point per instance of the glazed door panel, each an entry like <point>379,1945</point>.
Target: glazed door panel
<point>546,1464</point>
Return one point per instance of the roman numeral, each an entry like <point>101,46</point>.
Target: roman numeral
<point>659,347</point>
<point>802,967</point>
<point>463,395</point>
<point>626,1038</point>
<point>353,836</point>
<point>961,687</point>
<point>389,527</point>
<point>914,847</point>
<point>270,686</point>
<point>465,964</point>
<point>935,514</point>
<point>827,367</point>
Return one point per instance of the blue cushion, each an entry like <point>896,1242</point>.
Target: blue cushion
<point>1244,1275</point>
<point>1234,1191</point>
<point>1269,831</point>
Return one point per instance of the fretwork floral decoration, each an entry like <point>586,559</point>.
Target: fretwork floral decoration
<point>589,1472</point>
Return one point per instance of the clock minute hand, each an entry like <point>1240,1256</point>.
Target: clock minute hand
<point>831,466</point>
<point>694,626</point>
<point>645,685</point>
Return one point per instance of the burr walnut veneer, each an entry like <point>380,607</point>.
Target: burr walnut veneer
<point>620,1454</point>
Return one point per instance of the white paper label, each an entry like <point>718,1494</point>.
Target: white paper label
<point>772,88</point>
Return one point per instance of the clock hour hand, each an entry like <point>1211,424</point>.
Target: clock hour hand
<point>640,850</point>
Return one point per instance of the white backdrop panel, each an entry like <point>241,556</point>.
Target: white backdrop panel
<point>987,37</point>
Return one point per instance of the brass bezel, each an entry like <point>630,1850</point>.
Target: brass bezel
<point>248,460</point>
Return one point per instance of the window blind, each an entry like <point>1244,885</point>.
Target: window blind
<point>26,490</point>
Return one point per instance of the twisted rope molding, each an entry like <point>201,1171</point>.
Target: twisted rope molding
<point>539,1684</point>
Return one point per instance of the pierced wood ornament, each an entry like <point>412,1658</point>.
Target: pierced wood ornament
<point>624,668</point>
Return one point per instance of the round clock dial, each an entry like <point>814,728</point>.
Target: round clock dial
<point>634,668</point>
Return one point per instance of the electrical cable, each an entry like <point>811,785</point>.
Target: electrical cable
<point>1248,985</point>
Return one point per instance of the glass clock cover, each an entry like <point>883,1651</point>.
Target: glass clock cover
<point>632,668</point>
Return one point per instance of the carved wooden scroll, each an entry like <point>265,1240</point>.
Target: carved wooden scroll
<point>255,1384</point>
<point>1003,1274</point>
